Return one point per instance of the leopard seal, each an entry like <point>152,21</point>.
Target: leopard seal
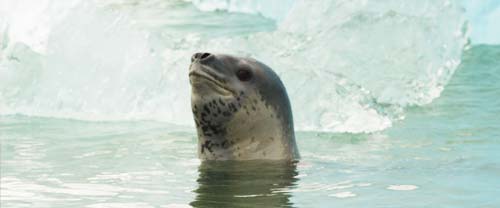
<point>241,109</point>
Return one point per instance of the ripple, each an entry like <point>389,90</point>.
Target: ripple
<point>120,205</point>
<point>346,194</point>
<point>16,189</point>
<point>402,187</point>
<point>176,206</point>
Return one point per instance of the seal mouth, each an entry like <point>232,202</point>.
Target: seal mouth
<point>213,80</point>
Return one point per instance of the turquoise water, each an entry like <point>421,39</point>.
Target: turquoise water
<point>393,107</point>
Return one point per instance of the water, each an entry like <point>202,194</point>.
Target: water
<point>70,139</point>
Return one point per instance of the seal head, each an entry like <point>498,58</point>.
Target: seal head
<point>241,109</point>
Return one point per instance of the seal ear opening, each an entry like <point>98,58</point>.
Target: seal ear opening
<point>244,75</point>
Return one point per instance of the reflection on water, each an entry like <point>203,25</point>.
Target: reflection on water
<point>245,184</point>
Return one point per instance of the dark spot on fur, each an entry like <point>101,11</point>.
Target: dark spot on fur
<point>206,109</point>
<point>206,145</point>
<point>232,107</point>
<point>224,144</point>
<point>221,102</point>
<point>214,129</point>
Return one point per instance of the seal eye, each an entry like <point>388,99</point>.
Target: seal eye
<point>244,75</point>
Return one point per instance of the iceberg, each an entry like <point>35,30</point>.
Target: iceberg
<point>348,65</point>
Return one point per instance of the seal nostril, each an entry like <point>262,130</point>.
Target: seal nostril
<point>200,56</point>
<point>204,56</point>
<point>195,57</point>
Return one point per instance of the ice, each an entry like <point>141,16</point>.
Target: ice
<point>483,16</point>
<point>349,66</point>
<point>354,64</point>
<point>276,9</point>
